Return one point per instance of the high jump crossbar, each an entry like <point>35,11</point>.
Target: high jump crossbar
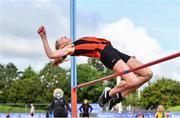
<point>130,70</point>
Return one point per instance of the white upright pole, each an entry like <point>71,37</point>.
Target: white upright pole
<point>119,105</point>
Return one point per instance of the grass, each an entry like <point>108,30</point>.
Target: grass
<point>175,108</point>
<point>12,109</point>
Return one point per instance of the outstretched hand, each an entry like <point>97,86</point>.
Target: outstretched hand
<point>42,31</point>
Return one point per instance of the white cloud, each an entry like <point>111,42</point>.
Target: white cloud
<point>22,52</point>
<point>133,40</point>
<point>19,47</point>
<point>19,41</point>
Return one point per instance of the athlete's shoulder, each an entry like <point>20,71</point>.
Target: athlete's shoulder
<point>93,38</point>
<point>88,37</point>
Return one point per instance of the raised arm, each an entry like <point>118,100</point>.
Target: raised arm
<point>53,54</point>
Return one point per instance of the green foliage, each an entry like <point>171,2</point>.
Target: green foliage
<point>25,89</point>
<point>96,64</point>
<point>86,73</point>
<point>163,91</point>
<point>29,86</point>
<point>131,99</point>
<point>7,74</point>
<point>175,109</point>
<point>28,74</point>
<point>52,78</point>
<point>92,71</point>
<point>32,87</point>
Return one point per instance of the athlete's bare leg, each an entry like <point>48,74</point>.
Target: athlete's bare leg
<point>144,74</point>
<point>131,82</point>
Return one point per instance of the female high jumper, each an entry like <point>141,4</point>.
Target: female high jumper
<point>111,58</point>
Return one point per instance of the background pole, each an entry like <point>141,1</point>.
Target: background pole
<point>73,59</point>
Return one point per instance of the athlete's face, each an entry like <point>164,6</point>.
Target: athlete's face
<point>64,41</point>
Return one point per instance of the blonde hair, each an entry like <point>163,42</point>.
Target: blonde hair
<point>57,45</point>
<point>60,59</point>
<point>85,101</point>
<point>57,90</point>
<point>159,107</point>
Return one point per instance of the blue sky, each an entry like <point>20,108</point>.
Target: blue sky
<point>161,17</point>
<point>148,29</point>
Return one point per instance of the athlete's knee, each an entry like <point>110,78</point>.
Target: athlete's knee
<point>148,75</point>
<point>122,83</point>
<point>132,83</point>
<point>128,84</point>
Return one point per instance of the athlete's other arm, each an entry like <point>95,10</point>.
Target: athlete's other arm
<point>53,54</point>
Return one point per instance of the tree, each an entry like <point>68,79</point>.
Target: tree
<point>52,78</point>
<point>28,73</point>
<point>8,73</point>
<point>2,76</point>
<point>98,66</point>
<point>86,73</point>
<point>131,99</point>
<point>163,91</point>
<point>25,89</point>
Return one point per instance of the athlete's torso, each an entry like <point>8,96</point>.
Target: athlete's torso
<point>90,46</point>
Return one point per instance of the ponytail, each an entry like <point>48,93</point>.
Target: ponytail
<point>60,59</point>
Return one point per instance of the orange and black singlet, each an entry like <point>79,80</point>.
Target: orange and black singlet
<point>99,48</point>
<point>90,46</point>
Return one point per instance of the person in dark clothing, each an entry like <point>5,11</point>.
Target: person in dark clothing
<point>85,106</point>
<point>7,116</point>
<point>59,106</point>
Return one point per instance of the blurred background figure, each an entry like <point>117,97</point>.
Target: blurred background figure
<point>32,111</point>
<point>87,108</point>
<point>7,116</point>
<point>140,116</point>
<point>160,112</point>
<point>59,107</point>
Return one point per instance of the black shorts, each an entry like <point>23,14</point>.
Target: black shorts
<point>110,56</point>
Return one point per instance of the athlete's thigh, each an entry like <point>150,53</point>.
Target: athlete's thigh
<point>133,63</point>
<point>122,66</point>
